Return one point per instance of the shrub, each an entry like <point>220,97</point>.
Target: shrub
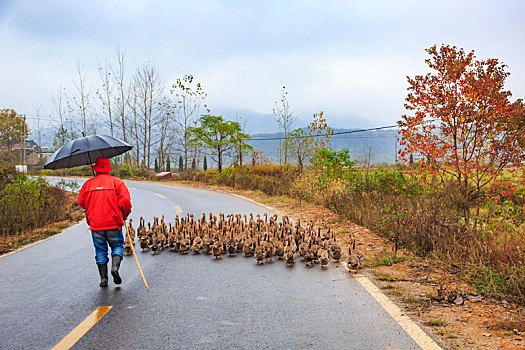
<point>27,203</point>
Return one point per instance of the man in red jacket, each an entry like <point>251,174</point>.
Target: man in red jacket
<point>107,203</point>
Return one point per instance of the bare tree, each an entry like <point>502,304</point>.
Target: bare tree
<point>58,105</point>
<point>369,148</point>
<point>241,147</point>
<point>285,119</point>
<point>105,95</point>
<point>71,118</point>
<point>166,132</point>
<point>82,98</point>
<point>38,107</point>
<point>189,98</point>
<point>123,94</point>
<point>134,130</point>
<point>149,89</point>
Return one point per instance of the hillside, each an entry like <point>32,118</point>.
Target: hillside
<point>380,144</point>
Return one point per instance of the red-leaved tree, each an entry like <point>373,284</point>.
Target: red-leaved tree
<point>461,123</point>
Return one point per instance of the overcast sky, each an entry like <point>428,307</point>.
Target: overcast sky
<point>348,58</point>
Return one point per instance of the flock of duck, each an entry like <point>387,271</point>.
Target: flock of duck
<point>234,234</point>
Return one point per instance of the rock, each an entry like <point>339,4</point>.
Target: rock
<point>459,300</point>
<point>474,297</point>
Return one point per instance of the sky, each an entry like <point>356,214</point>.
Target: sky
<point>349,59</point>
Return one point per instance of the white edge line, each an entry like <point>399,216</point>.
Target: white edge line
<point>419,336</point>
<point>251,200</point>
<point>45,239</point>
<point>413,330</point>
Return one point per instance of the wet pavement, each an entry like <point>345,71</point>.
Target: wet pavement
<point>196,302</point>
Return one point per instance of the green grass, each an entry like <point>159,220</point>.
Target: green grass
<point>387,278</point>
<point>436,323</point>
<point>389,260</point>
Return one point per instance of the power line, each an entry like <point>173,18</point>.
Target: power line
<point>327,134</point>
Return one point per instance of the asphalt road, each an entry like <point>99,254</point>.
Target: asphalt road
<point>195,302</point>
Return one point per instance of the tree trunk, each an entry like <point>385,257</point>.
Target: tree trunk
<point>219,156</point>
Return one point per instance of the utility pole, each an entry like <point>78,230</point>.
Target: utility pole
<point>395,149</point>
<point>24,143</point>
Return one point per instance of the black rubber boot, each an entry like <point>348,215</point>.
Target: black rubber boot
<point>103,272</point>
<point>115,264</point>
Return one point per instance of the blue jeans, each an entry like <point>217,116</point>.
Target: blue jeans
<point>101,239</point>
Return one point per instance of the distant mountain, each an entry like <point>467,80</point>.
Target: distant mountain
<point>255,122</point>
<point>47,135</point>
<point>380,144</point>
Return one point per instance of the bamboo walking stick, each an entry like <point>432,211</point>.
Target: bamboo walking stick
<point>135,256</point>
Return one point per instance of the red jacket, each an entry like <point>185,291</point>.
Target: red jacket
<point>107,202</point>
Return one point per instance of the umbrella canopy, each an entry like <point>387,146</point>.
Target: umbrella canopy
<point>85,150</point>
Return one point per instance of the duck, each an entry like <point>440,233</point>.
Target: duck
<point>308,255</point>
<point>336,251</point>
<point>217,249</point>
<point>144,243</point>
<point>207,243</point>
<point>141,230</point>
<point>268,249</point>
<point>278,248</point>
<point>127,246</point>
<point>248,248</point>
<point>185,244</point>
<point>354,258</point>
<point>131,231</point>
<point>258,254</point>
<point>231,246</point>
<point>289,254</point>
<point>196,245</point>
<point>323,256</point>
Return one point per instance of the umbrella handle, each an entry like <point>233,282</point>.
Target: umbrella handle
<point>93,171</point>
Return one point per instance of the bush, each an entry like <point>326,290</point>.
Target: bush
<point>270,179</point>
<point>27,203</point>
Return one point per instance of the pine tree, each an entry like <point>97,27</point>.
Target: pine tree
<point>193,165</point>
<point>181,164</point>
<point>168,164</point>
<point>156,166</point>
<point>205,164</point>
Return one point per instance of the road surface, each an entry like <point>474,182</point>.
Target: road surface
<point>195,302</point>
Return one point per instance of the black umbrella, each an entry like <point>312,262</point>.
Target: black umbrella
<point>85,150</point>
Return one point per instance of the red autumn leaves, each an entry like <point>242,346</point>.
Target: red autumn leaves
<point>462,123</point>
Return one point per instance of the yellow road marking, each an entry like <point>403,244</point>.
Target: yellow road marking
<point>408,325</point>
<point>179,210</point>
<point>131,188</point>
<point>159,195</point>
<point>77,333</point>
